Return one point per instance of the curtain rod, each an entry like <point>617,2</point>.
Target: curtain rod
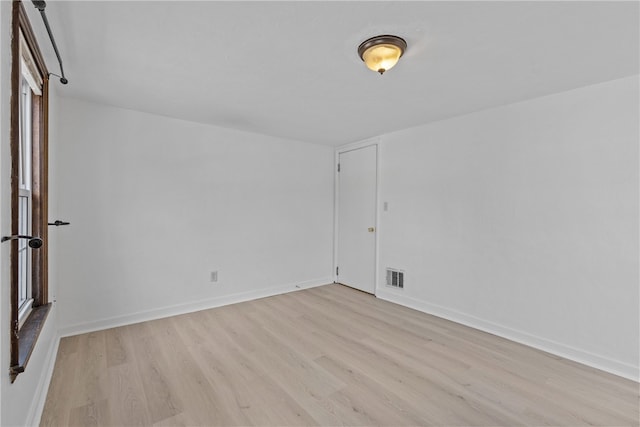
<point>40,5</point>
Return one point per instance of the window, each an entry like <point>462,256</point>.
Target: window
<point>25,301</point>
<point>29,85</point>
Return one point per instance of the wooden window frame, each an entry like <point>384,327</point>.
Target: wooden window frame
<point>23,339</point>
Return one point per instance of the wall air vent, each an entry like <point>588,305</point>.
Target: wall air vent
<point>395,278</point>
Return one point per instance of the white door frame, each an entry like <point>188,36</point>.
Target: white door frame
<point>336,189</point>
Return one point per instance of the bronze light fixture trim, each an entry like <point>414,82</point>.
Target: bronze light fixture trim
<point>381,53</point>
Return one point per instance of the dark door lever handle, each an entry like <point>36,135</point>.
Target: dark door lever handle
<point>59,223</point>
<point>34,242</point>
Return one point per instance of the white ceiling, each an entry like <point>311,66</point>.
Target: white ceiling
<point>290,69</point>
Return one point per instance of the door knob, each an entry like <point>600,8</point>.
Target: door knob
<point>371,229</point>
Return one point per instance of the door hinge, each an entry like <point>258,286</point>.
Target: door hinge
<point>338,167</point>
<point>336,271</point>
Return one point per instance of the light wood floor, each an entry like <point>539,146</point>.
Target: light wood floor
<point>324,356</point>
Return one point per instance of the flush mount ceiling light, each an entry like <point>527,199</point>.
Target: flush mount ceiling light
<point>381,53</point>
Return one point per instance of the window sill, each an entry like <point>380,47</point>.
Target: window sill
<point>29,333</point>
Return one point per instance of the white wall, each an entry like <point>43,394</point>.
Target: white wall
<point>156,204</point>
<point>22,400</point>
<point>523,220</point>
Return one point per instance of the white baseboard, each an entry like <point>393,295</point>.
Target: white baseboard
<point>581,356</point>
<point>40,395</point>
<point>178,309</point>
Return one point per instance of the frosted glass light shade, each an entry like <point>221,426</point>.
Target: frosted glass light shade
<point>381,53</point>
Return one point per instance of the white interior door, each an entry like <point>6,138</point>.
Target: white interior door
<point>357,184</point>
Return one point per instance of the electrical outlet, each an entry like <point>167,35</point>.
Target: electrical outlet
<point>214,276</point>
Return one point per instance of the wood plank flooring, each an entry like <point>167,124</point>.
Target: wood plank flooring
<point>324,356</point>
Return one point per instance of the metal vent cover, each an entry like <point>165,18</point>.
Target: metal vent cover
<point>395,278</point>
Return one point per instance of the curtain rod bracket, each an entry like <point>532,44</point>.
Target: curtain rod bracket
<point>41,5</point>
